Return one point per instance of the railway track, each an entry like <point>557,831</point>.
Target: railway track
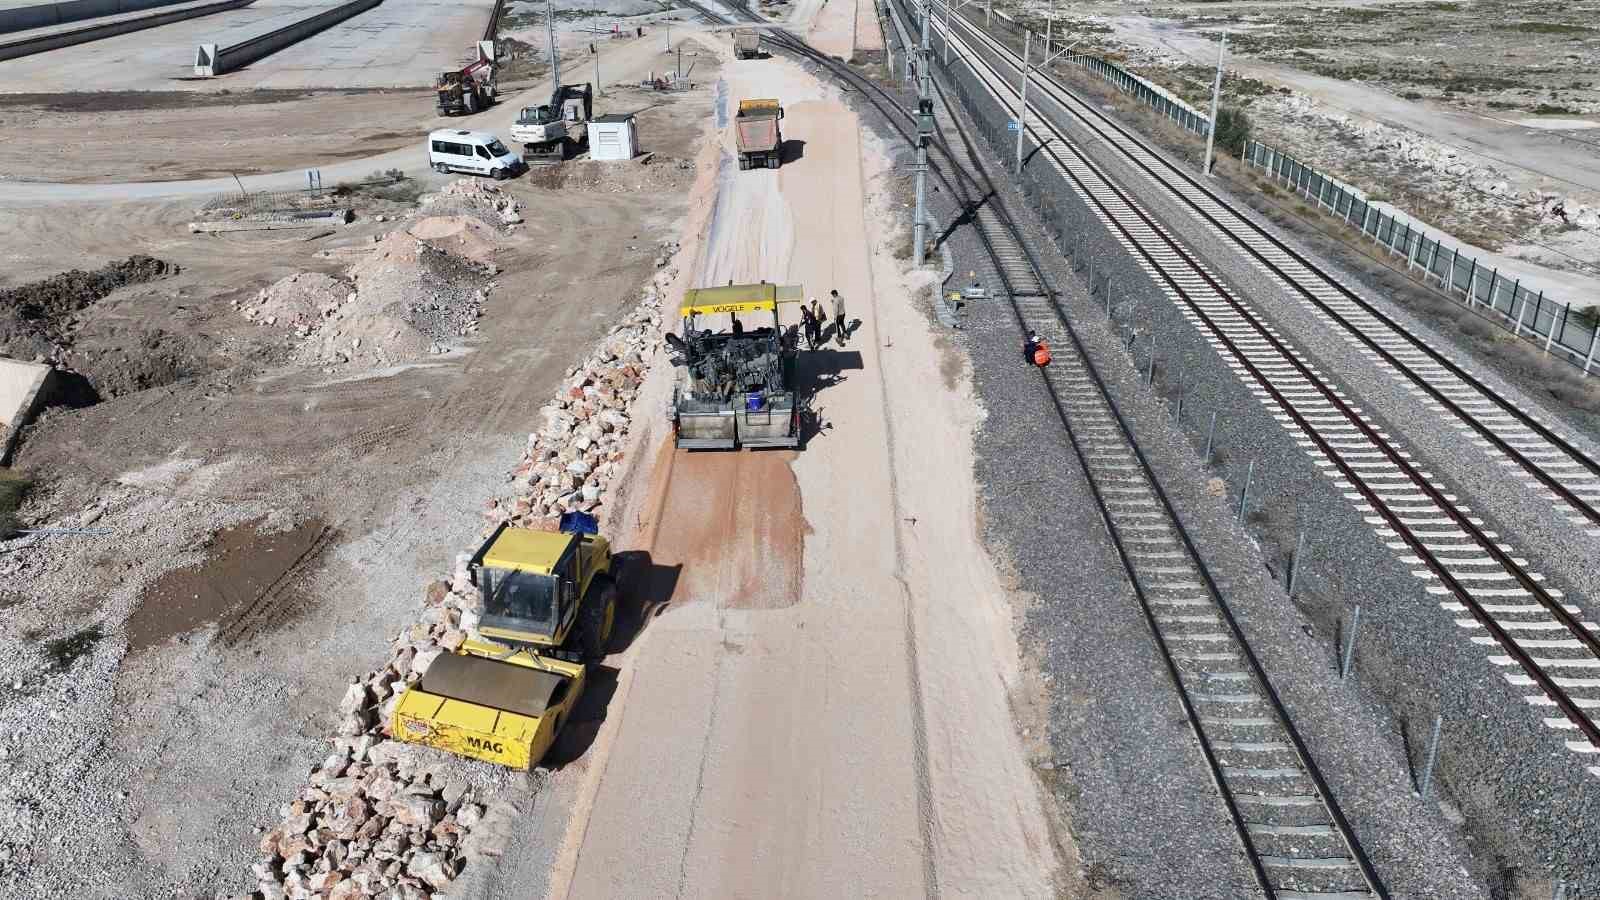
<point>1542,640</point>
<point>1295,838</point>
<point>1567,478</point>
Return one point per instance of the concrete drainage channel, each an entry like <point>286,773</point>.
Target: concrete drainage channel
<point>210,61</point>
<point>45,38</point>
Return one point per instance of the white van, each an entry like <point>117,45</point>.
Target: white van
<point>476,152</point>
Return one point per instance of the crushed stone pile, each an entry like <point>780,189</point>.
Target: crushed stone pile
<point>371,820</point>
<point>37,319</point>
<point>300,301</point>
<point>463,236</point>
<point>403,301</point>
<point>570,462</point>
<point>473,197</point>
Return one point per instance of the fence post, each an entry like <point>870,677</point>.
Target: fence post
<point>1349,659</point>
<point>1432,258</point>
<point>1365,215</point>
<point>1433,754</point>
<point>1211,432</point>
<point>1494,277</point>
<point>1472,285</point>
<point>1594,335</point>
<point>1294,561</point>
<point>1244,495</point>
<point>1455,254</point>
<point>1549,338</point>
<point>1521,311</point>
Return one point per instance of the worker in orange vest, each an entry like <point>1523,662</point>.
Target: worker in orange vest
<point>1034,350</point>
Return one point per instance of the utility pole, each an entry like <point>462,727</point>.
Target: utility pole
<point>1022,106</point>
<point>1216,96</point>
<point>988,13</point>
<point>919,231</point>
<point>1049,21</point>
<point>949,4</point>
<point>550,36</point>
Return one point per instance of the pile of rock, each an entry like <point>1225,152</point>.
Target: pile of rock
<point>370,822</point>
<point>411,300</point>
<point>570,462</point>
<point>300,301</point>
<point>475,197</point>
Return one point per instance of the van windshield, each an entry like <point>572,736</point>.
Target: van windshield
<point>496,148</point>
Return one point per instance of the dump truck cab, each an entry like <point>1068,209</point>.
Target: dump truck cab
<point>736,386</point>
<point>552,592</point>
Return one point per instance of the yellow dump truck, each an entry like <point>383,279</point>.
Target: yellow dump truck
<point>549,602</point>
<point>757,135</point>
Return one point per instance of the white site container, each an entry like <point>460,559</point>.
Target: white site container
<point>613,137</point>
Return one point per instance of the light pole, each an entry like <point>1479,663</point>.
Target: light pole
<point>1216,96</point>
<point>1022,105</point>
<point>919,231</point>
<point>550,35</point>
<point>951,6</point>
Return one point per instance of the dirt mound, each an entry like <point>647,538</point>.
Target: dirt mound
<point>410,300</point>
<point>35,318</point>
<point>462,235</point>
<point>647,173</point>
<point>299,301</point>
<point>476,198</point>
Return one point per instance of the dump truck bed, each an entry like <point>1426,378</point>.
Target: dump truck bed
<point>497,711</point>
<point>756,125</point>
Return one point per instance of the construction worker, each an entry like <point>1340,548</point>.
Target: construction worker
<point>808,324</point>
<point>1035,350</point>
<point>817,316</point>
<point>841,329</point>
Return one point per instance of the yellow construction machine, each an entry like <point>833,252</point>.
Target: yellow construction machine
<point>549,601</point>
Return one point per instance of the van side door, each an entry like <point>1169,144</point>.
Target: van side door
<point>484,161</point>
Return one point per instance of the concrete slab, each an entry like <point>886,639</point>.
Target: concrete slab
<point>24,389</point>
<point>400,43</point>
<point>99,20</point>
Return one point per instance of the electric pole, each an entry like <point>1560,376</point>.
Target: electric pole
<point>1022,105</point>
<point>919,231</point>
<point>550,36</point>
<point>1216,95</point>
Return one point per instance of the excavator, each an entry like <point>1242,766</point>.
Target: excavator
<point>557,130</point>
<point>549,602</point>
<point>553,132</point>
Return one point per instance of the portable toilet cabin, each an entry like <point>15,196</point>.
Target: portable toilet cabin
<point>613,137</point>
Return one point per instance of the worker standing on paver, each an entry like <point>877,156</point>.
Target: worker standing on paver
<point>841,329</point>
<point>817,317</point>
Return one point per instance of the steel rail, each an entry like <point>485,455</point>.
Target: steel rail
<point>1546,683</point>
<point>1057,90</point>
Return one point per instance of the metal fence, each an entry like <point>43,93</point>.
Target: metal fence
<point>1545,321</point>
<point>1502,300</point>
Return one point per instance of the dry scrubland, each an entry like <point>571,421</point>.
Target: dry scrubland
<point>1306,73</point>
